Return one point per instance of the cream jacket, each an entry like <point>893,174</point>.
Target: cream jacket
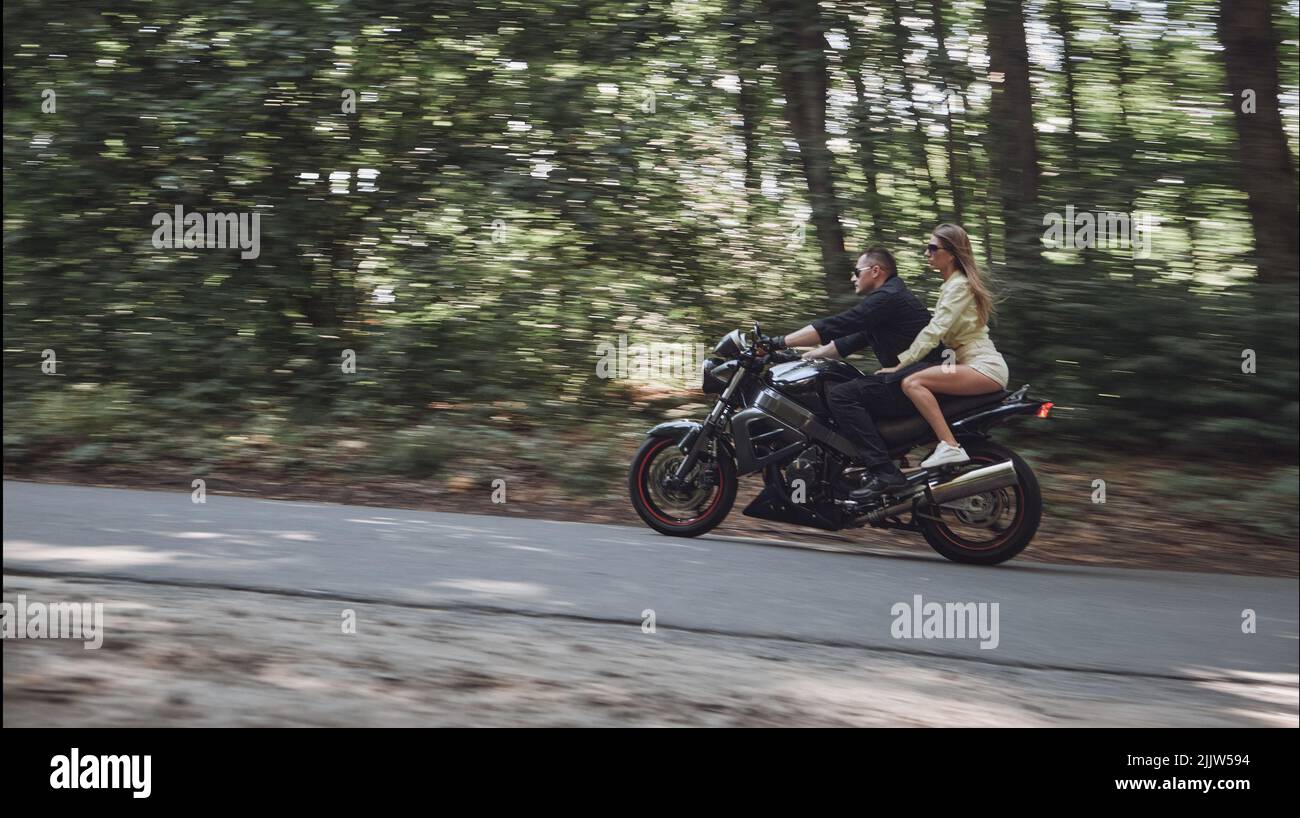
<point>956,323</point>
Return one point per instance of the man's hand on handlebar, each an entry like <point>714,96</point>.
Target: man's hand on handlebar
<point>771,343</point>
<point>781,347</point>
<point>823,351</point>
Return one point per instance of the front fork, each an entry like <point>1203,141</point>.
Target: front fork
<point>695,441</point>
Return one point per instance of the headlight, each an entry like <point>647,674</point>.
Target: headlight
<point>730,345</point>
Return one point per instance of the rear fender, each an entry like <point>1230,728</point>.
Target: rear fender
<point>981,422</point>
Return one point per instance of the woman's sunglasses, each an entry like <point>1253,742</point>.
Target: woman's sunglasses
<point>931,249</point>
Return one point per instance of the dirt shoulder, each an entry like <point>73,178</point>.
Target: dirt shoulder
<point>175,656</point>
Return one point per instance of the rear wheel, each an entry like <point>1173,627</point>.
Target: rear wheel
<point>988,528</point>
<point>687,512</point>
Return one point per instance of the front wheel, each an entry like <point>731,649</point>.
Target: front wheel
<point>674,512</point>
<point>988,528</point>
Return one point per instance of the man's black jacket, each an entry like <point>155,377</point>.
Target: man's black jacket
<point>887,319</point>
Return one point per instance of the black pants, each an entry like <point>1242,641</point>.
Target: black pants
<point>858,404</point>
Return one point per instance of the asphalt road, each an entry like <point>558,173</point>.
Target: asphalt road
<point>1176,625</point>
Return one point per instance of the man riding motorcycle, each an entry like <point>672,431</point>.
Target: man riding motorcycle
<point>887,319</point>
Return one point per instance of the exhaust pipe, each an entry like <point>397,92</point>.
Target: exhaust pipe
<point>989,478</point>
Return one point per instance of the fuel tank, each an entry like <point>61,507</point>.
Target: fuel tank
<point>808,382</point>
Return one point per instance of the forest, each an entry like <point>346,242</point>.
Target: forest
<point>459,203</point>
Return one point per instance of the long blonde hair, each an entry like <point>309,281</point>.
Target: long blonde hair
<point>959,245</point>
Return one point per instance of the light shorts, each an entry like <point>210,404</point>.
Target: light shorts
<point>985,359</point>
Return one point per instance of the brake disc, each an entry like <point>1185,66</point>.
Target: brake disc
<point>979,509</point>
<point>659,472</point>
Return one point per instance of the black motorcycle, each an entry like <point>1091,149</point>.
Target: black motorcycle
<point>772,416</point>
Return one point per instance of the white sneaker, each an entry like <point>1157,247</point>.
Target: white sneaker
<point>945,455</point>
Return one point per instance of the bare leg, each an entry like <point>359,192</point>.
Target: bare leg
<point>920,388</point>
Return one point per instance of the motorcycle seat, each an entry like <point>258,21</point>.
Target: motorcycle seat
<point>898,431</point>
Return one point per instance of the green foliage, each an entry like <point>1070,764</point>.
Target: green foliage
<point>1265,504</point>
<point>418,452</point>
<point>523,180</point>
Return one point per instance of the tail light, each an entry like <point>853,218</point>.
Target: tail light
<point>1045,408</point>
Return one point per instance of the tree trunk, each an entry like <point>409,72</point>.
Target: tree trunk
<point>862,116</point>
<point>1135,175</point>
<point>1268,173</point>
<point>1014,151</point>
<point>1061,19</point>
<point>744,43</point>
<point>800,46</point>
<point>951,87</point>
<point>898,37</point>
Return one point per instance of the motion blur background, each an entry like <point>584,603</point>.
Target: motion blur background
<point>522,180</point>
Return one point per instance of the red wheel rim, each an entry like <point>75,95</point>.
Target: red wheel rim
<point>641,482</point>
<point>1002,538</point>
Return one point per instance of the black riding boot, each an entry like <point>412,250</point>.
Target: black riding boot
<point>885,478</point>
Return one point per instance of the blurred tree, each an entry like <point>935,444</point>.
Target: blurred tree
<point>1011,129</point>
<point>799,43</point>
<point>746,38</point>
<point>952,88</point>
<point>900,42</point>
<point>1267,171</point>
<point>864,124</point>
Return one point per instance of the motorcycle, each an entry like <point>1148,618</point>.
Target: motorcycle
<point>772,416</point>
